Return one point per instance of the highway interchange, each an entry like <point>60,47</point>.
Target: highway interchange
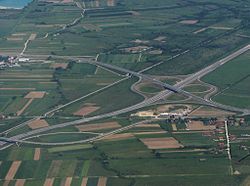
<point>169,89</point>
<point>177,88</point>
<point>89,140</point>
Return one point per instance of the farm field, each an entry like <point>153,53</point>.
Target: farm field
<point>113,96</point>
<point>85,97</point>
<point>55,161</point>
<point>232,79</point>
<point>17,87</point>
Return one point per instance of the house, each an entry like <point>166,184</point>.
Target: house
<point>23,59</point>
<point>2,116</point>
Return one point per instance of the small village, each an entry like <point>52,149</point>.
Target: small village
<point>179,121</point>
<point>11,61</point>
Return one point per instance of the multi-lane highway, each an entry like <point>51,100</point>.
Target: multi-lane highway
<point>169,90</point>
<point>90,140</point>
<point>61,107</point>
<point>178,87</point>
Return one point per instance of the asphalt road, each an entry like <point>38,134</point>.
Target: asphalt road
<point>169,90</point>
<point>178,87</point>
<point>60,107</point>
<point>90,140</point>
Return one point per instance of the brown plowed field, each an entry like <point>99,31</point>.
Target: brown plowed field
<point>102,181</point>
<point>119,136</point>
<point>161,143</point>
<point>13,169</point>
<point>148,126</point>
<point>20,182</point>
<point>198,125</point>
<point>86,110</point>
<point>37,154</point>
<point>209,112</point>
<point>49,182</point>
<point>68,181</point>
<point>35,95</point>
<point>99,126</point>
<point>32,37</point>
<point>40,123</point>
<point>84,182</point>
<point>145,133</point>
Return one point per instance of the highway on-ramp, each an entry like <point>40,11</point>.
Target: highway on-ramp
<point>163,94</point>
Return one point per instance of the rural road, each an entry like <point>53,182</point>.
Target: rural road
<point>177,88</point>
<point>170,89</point>
<point>90,140</point>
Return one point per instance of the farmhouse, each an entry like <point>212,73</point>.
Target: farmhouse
<point>2,116</point>
<point>23,59</point>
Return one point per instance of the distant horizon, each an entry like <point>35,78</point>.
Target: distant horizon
<point>13,4</point>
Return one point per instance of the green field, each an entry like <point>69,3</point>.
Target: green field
<point>185,36</point>
<point>196,88</point>
<point>232,79</point>
<point>150,89</point>
<point>113,98</point>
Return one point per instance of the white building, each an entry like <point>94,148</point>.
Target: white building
<point>23,59</point>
